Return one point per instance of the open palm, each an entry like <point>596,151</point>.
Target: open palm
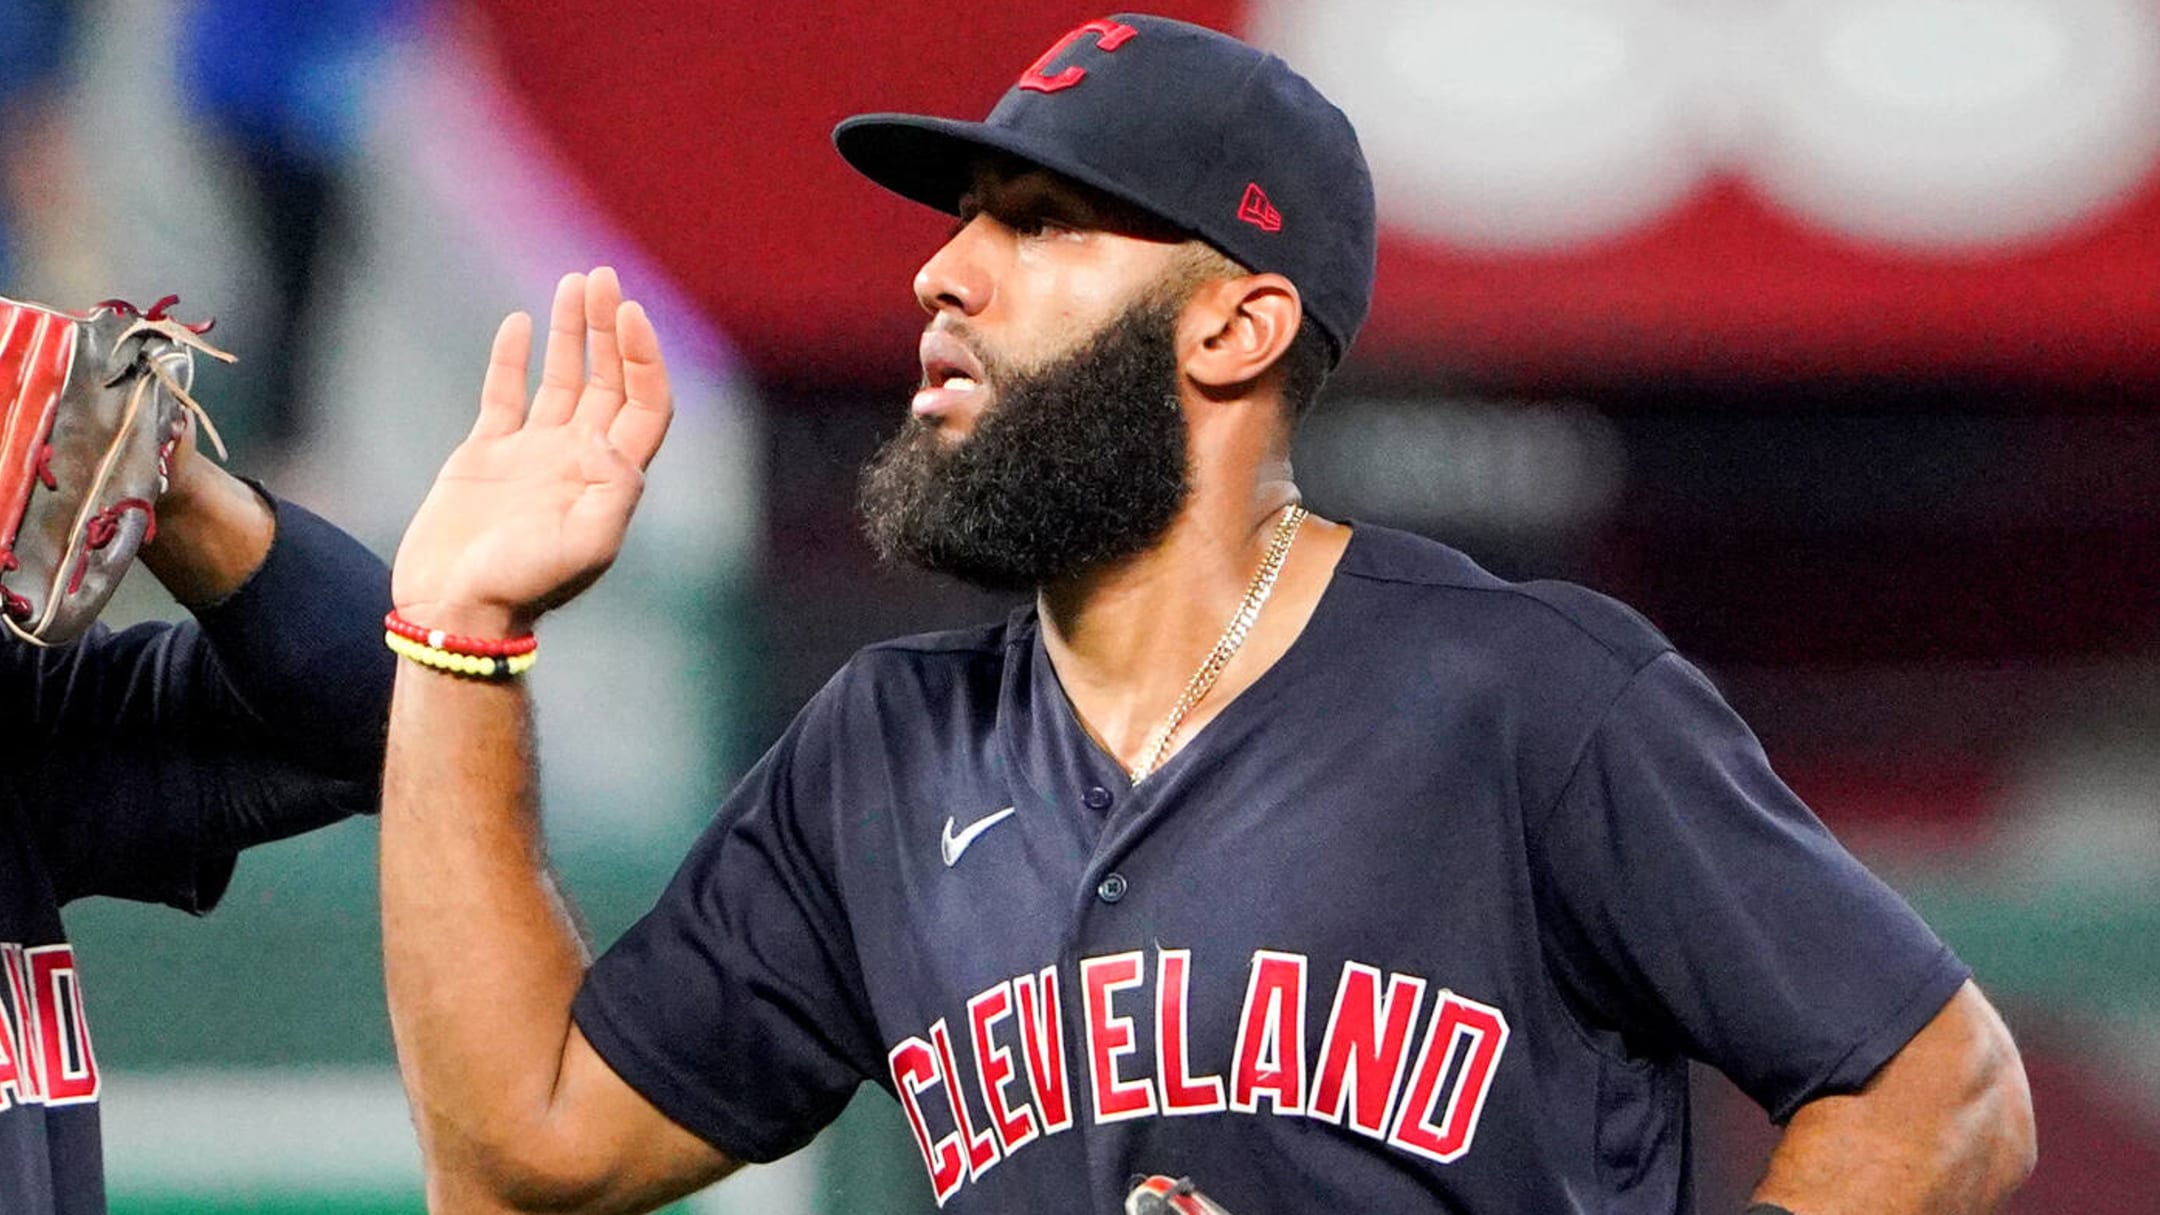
<point>531,508</point>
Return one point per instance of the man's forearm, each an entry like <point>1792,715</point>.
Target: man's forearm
<point>213,532</point>
<point>481,955</point>
<point>1945,1128</point>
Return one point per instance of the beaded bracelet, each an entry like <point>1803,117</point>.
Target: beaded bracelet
<point>472,666</point>
<point>455,643</point>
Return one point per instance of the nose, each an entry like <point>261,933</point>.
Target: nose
<point>955,276</point>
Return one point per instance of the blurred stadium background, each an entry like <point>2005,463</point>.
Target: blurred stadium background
<point>1826,333</point>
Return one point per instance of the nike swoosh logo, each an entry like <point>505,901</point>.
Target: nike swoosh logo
<point>950,846</point>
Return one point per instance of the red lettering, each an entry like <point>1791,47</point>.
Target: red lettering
<point>1270,1059</point>
<point>70,1066</point>
<point>1109,36</point>
<point>1182,1092</point>
<point>1363,1078</point>
<point>1365,1047</point>
<point>11,1077</point>
<point>1110,1037</point>
<point>1042,1040</point>
<point>29,1053</point>
<point>981,1149</point>
<point>913,1070</point>
<point>1478,1032</point>
<point>994,1068</point>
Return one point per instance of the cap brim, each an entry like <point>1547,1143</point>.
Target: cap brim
<point>932,160</point>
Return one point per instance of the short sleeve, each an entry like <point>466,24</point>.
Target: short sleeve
<point>1691,903</point>
<point>736,1005</point>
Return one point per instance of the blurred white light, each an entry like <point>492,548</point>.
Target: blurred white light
<point>1945,125</point>
<point>1525,123</point>
<point>1957,123</point>
<point>1945,55</point>
<point>1448,464</point>
<point>1507,59</point>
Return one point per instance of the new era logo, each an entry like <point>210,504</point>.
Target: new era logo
<point>1258,211</point>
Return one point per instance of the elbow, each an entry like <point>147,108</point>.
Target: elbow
<point>522,1178</point>
<point>2002,1120</point>
<point>2019,1150</point>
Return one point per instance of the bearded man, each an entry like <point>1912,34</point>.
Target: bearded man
<point>1309,861</point>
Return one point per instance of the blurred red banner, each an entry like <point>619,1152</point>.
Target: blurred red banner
<point>704,133</point>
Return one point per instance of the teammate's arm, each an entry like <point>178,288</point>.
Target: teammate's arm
<point>515,1111</point>
<point>1945,1127</point>
<point>213,531</point>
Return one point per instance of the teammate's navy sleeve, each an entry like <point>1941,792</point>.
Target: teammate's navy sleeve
<point>1693,905</point>
<point>736,1005</point>
<point>150,756</point>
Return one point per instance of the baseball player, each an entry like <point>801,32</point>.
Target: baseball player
<point>1306,862</point>
<point>138,763</point>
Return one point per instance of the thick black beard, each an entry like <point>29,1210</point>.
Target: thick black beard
<point>1077,465</point>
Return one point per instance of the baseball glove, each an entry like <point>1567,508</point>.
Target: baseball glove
<point>91,407</point>
<point>1168,1196</point>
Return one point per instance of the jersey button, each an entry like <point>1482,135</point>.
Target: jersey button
<point>1097,798</point>
<point>1112,888</point>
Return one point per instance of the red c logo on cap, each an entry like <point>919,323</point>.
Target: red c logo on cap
<point>1109,36</point>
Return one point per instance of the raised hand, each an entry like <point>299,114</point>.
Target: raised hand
<point>531,508</point>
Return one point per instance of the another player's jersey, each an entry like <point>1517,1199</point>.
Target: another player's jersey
<point>49,1081</point>
<point>1428,919</point>
<point>141,763</point>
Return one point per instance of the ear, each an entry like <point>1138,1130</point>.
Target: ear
<point>1234,329</point>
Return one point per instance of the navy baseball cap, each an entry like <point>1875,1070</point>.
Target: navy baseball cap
<point>1215,137</point>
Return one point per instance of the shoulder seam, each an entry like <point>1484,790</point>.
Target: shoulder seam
<point>901,646</point>
<point>1582,752</point>
<point>1515,590</point>
<point>1597,727</point>
<point>980,639</point>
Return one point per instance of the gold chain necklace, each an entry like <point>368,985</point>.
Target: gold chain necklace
<point>1233,636</point>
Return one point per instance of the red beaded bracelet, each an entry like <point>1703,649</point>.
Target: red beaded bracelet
<point>473,647</point>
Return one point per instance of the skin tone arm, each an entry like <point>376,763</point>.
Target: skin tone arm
<point>213,531</point>
<point>514,1109</point>
<point>1946,1126</point>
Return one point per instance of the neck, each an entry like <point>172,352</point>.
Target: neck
<point>1116,620</point>
<point>1125,639</point>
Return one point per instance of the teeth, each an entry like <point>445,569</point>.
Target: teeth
<point>960,383</point>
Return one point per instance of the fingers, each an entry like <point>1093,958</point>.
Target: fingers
<point>650,405</point>
<point>603,393</point>
<point>502,393</point>
<point>562,369</point>
<point>626,397</point>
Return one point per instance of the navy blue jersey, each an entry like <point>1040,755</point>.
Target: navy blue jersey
<point>1428,919</point>
<point>137,764</point>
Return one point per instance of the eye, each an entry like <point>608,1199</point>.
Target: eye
<point>1035,223</point>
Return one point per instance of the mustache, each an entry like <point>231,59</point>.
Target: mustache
<point>993,368</point>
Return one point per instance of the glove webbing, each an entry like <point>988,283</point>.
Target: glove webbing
<point>98,529</point>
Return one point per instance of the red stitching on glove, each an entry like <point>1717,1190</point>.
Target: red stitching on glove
<point>105,525</point>
<point>160,311</point>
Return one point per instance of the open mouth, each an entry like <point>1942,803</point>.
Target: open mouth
<point>951,374</point>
